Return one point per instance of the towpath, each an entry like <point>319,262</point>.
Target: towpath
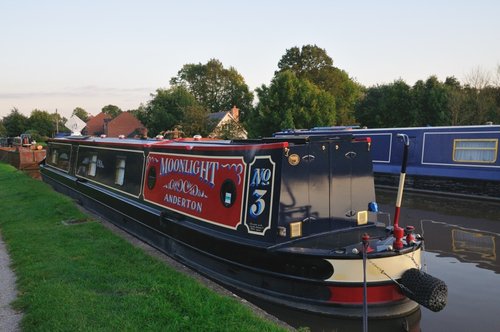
<point>9,318</point>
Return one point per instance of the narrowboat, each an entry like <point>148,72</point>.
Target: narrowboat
<point>457,160</point>
<point>22,153</point>
<point>291,220</point>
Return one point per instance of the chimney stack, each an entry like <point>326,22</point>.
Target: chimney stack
<point>235,112</point>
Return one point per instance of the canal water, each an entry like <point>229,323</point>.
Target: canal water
<point>462,241</point>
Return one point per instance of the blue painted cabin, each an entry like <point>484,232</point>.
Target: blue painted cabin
<point>456,160</point>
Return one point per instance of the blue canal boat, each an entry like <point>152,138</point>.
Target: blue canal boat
<point>459,160</point>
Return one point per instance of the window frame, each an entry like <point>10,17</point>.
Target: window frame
<point>120,170</point>
<point>92,165</point>
<point>494,149</point>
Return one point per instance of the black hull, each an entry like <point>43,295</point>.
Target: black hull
<point>227,262</point>
<point>467,188</point>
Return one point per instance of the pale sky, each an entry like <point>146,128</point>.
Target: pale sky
<point>67,54</point>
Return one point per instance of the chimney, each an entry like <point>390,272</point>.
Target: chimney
<point>235,112</point>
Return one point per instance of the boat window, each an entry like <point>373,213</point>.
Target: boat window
<point>151,178</point>
<point>54,157</point>
<point>63,160</point>
<point>120,170</point>
<point>92,165</point>
<point>228,193</point>
<point>475,150</point>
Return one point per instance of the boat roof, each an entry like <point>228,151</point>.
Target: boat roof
<point>203,143</point>
<point>357,129</point>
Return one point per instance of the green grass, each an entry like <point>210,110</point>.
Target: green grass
<point>82,277</point>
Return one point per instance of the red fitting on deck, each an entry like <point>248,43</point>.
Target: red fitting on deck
<point>410,238</point>
<point>365,239</point>
<point>398,237</point>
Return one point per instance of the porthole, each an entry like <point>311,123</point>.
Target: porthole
<point>228,193</point>
<point>151,178</point>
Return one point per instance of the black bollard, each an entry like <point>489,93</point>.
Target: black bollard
<point>424,289</point>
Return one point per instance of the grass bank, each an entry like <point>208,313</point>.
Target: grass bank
<point>84,278</point>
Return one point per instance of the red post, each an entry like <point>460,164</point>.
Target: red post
<point>402,177</point>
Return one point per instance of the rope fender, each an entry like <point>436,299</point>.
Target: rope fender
<point>424,289</point>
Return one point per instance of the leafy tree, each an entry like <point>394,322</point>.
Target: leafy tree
<point>195,121</point>
<point>313,63</point>
<point>456,101</point>
<point>111,110</point>
<point>83,114</point>
<point>307,62</point>
<point>3,131</point>
<point>387,105</point>
<point>35,135</point>
<point>431,100</point>
<point>59,123</point>
<point>214,87</point>
<point>166,109</point>
<point>15,123</point>
<point>42,122</point>
<point>290,102</point>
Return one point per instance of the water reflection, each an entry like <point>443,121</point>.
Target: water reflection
<point>311,322</point>
<point>467,230</point>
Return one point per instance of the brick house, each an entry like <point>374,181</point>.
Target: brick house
<point>124,124</point>
<point>227,125</point>
<point>95,125</point>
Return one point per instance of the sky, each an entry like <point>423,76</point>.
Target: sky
<point>59,55</point>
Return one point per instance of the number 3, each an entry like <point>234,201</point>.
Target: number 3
<point>258,207</point>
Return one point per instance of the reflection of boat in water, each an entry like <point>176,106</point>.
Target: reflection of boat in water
<point>468,245</point>
<point>279,218</point>
<point>318,323</point>
<point>468,230</point>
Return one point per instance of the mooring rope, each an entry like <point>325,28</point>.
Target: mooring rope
<point>403,287</point>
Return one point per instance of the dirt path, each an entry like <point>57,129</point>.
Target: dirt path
<point>9,318</point>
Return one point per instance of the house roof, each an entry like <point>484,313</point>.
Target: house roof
<point>123,124</point>
<point>96,123</point>
<point>217,116</point>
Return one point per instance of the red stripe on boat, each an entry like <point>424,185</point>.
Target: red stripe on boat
<point>376,294</point>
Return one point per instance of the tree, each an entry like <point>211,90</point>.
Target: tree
<point>15,123</point>
<point>431,101</point>
<point>166,109</point>
<point>387,105</point>
<point>42,122</point>
<point>313,63</point>
<point>290,102</point>
<point>83,114</point>
<point>59,123</point>
<point>214,87</point>
<point>111,110</point>
<point>307,62</point>
<point>3,131</point>
<point>482,96</point>
<point>195,121</point>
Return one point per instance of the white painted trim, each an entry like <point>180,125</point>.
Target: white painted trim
<point>351,270</point>
<point>272,195</point>
<point>390,146</point>
<point>429,128</point>
<point>455,164</point>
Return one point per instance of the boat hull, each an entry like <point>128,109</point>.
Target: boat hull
<point>278,276</point>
